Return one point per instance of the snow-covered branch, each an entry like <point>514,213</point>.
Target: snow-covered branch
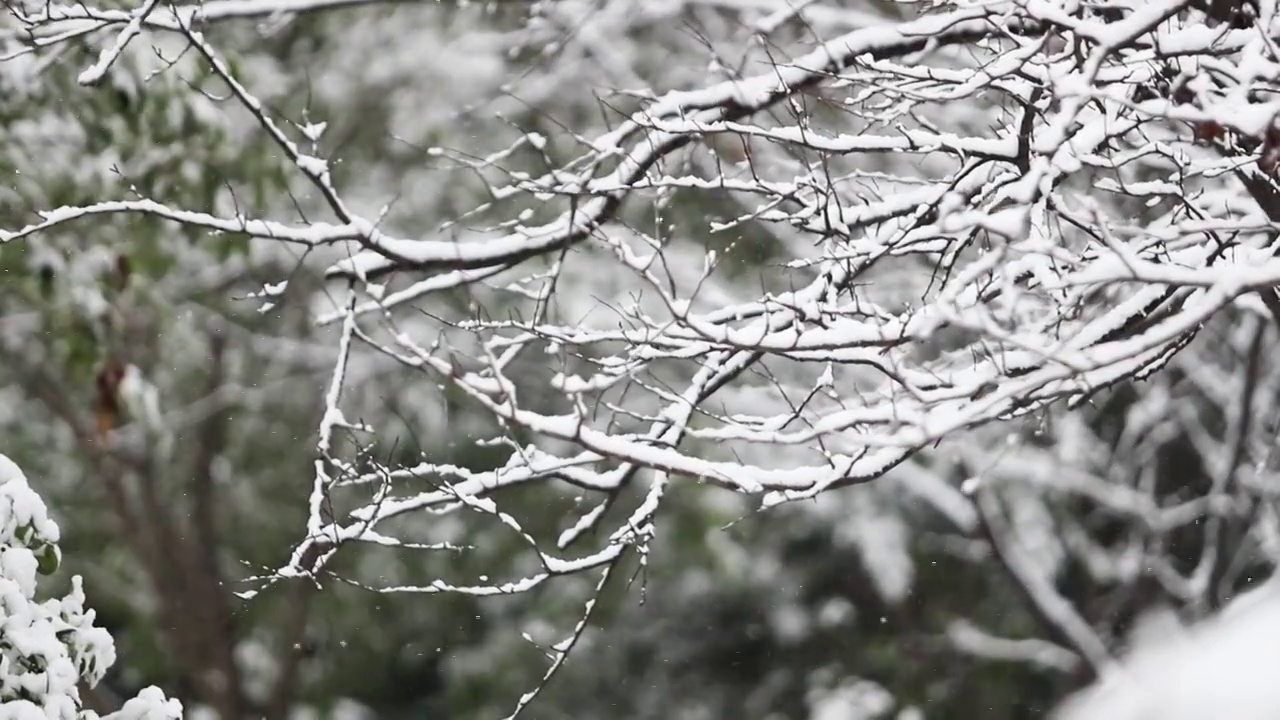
<point>873,238</point>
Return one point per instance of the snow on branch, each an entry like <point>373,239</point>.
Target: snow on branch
<point>986,238</point>
<point>724,102</point>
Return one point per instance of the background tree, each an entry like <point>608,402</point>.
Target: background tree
<point>629,273</point>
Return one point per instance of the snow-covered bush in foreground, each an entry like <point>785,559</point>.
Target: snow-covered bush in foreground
<point>47,648</point>
<point>1222,668</point>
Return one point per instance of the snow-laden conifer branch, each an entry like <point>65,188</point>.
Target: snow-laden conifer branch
<point>49,647</point>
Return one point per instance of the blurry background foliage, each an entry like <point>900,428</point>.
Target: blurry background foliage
<point>738,614</point>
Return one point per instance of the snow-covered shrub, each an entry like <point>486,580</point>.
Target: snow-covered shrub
<point>1223,667</point>
<point>48,647</point>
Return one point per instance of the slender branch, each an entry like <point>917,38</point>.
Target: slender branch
<point>1054,611</point>
<point>293,649</point>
